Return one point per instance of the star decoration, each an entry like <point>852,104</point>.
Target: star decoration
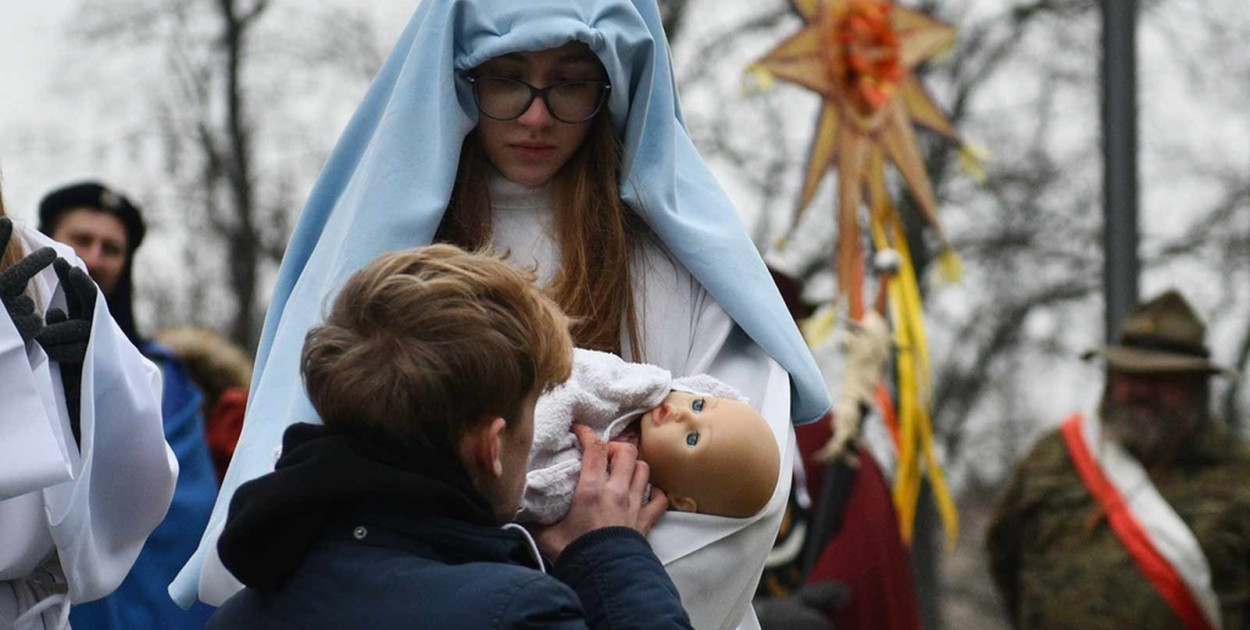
<point>859,55</point>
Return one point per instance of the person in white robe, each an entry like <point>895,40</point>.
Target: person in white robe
<point>80,489</point>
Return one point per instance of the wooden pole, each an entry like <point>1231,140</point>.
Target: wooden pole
<point>1119,140</point>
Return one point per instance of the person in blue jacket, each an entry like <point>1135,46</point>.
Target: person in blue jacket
<point>395,513</point>
<point>105,228</point>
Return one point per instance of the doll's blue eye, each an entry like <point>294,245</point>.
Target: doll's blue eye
<point>692,439</point>
<point>697,405</point>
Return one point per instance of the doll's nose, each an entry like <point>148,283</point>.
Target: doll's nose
<point>661,414</point>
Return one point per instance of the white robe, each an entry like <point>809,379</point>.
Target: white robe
<point>72,521</point>
<point>714,561</point>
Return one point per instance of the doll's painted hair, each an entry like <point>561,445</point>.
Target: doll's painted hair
<point>421,344</point>
<point>596,229</point>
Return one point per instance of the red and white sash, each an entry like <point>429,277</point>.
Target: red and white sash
<point>1158,540</point>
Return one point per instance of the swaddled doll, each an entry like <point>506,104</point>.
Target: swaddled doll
<point>707,448</point>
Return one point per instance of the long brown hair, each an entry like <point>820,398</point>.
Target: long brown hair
<point>13,252</point>
<point>597,232</point>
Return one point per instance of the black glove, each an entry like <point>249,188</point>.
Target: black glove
<point>805,609</point>
<point>66,336</point>
<point>13,283</point>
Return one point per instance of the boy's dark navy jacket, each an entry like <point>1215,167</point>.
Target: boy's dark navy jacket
<point>354,531</point>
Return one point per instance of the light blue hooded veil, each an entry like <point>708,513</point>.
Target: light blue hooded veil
<point>387,183</point>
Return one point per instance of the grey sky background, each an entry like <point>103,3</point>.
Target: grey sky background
<point>31,47</point>
<point>49,135</point>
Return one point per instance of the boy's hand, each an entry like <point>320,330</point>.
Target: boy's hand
<point>609,493</point>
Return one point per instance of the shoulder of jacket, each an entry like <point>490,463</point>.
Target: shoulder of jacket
<point>1047,452</point>
<point>527,597</point>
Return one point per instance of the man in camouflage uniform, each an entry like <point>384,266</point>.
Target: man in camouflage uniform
<point>1053,552</point>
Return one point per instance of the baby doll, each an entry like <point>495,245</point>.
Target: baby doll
<point>708,450</point>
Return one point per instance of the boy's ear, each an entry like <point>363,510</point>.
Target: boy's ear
<point>683,504</point>
<point>483,447</point>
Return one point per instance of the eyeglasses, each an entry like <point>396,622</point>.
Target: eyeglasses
<point>569,102</point>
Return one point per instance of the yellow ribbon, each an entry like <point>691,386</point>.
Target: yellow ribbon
<point>914,378</point>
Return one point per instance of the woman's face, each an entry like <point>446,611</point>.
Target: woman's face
<point>533,147</point>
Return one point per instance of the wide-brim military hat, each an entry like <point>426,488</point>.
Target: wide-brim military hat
<point>1163,335</point>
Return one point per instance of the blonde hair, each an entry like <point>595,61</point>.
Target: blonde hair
<point>597,232</point>
<point>215,363</point>
<point>13,252</point>
<point>424,343</point>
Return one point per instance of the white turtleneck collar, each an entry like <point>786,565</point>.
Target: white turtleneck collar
<point>521,218</point>
<point>509,195</point>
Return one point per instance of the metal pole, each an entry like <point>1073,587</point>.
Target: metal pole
<point>1119,138</point>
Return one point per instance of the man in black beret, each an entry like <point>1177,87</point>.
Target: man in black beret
<point>105,228</point>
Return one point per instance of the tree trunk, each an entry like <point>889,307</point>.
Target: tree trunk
<point>244,249</point>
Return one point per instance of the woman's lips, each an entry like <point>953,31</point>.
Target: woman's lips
<point>533,150</point>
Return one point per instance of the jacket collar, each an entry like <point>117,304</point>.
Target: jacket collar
<point>325,475</point>
<point>446,540</point>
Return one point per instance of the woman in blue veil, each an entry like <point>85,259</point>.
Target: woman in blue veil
<point>622,218</point>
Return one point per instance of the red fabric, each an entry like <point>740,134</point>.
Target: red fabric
<point>1157,569</point>
<point>791,290</point>
<point>867,554</point>
<point>223,426</point>
<point>889,415</point>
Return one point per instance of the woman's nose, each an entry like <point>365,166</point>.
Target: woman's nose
<point>537,115</point>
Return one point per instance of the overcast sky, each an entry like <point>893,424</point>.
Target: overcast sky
<point>47,139</point>
<point>30,40</point>
<point>32,46</point>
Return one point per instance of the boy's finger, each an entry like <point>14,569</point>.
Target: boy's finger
<point>586,435</point>
<point>642,475</point>
<point>650,513</point>
<point>594,452</point>
<point>622,461</point>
